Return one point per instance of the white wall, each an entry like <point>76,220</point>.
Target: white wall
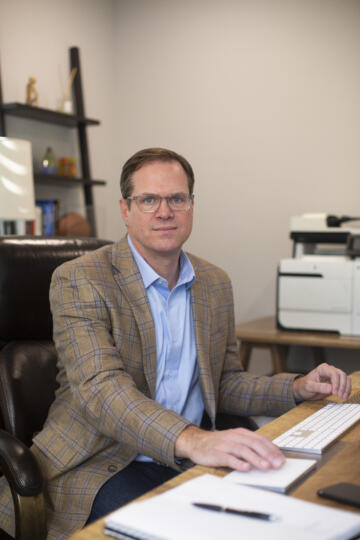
<point>261,96</point>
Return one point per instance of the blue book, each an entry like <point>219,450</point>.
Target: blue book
<point>49,214</point>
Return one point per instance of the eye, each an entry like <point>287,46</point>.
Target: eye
<point>178,199</point>
<point>148,200</point>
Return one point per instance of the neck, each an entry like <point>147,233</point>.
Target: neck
<point>167,265</point>
<point>167,268</point>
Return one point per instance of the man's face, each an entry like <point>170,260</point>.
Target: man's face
<point>163,232</point>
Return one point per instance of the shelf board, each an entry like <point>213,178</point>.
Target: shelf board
<point>66,181</point>
<point>46,115</point>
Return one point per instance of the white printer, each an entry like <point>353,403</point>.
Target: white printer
<point>319,287</point>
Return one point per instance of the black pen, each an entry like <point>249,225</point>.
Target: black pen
<point>245,513</point>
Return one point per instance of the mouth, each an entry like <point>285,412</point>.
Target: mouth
<point>165,228</point>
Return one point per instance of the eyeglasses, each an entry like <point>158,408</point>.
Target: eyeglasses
<point>178,202</point>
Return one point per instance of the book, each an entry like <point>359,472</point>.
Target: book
<point>38,220</point>
<point>30,226</point>
<point>280,480</point>
<point>173,516</point>
<point>9,226</point>
<point>20,227</point>
<point>49,212</point>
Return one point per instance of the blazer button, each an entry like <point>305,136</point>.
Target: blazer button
<point>112,468</point>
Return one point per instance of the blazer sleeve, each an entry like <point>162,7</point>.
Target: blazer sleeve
<point>93,372</point>
<point>241,392</point>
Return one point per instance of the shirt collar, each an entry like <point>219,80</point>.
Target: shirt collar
<point>149,276</point>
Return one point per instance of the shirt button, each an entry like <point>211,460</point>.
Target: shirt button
<point>112,468</point>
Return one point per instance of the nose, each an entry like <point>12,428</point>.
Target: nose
<point>164,211</point>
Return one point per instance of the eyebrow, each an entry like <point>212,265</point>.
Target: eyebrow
<point>158,195</point>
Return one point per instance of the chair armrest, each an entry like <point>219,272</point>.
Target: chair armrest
<point>26,482</point>
<point>19,466</point>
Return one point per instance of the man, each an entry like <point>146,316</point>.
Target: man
<point>147,350</point>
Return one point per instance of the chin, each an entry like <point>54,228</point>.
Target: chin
<point>167,247</point>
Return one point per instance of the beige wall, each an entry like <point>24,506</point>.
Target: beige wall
<point>263,97</point>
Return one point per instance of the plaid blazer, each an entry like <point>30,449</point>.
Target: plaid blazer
<point>104,413</point>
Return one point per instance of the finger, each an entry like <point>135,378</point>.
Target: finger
<point>347,389</point>
<point>344,386</point>
<point>269,452</point>
<point>219,458</point>
<point>321,371</point>
<point>324,389</point>
<point>237,464</point>
<point>339,381</point>
<point>262,459</point>
<point>243,454</point>
<point>336,377</point>
<point>252,457</point>
<point>260,451</point>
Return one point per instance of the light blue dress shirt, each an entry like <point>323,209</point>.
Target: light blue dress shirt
<point>177,372</point>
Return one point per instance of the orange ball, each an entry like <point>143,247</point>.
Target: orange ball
<point>73,225</point>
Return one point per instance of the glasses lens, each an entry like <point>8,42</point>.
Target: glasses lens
<point>148,203</point>
<point>179,201</point>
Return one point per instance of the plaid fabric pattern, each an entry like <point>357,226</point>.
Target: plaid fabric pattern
<point>104,413</point>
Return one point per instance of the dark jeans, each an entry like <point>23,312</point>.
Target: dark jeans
<point>133,481</point>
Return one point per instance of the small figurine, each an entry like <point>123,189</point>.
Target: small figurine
<point>31,92</point>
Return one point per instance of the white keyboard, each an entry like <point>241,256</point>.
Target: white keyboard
<point>320,429</point>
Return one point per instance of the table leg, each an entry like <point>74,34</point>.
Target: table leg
<point>244,354</point>
<point>318,355</point>
<point>279,357</point>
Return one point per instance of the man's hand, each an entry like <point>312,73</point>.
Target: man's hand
<point>238,449</point>
<point>321,382</point>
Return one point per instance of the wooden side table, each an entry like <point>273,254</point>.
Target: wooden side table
<point>263,333</point>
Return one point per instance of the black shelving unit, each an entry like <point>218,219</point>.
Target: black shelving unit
<point>66,181</point>
<point>46,115</point>
<point>77,120</point>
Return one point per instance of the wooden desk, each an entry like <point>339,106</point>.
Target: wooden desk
<point>263,333</point>
<point>340,463</point>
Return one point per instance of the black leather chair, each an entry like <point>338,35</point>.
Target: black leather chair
<point>28,364</point>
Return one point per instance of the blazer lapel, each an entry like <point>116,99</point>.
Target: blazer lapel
<point>202,315</point>
<point>128,277</point>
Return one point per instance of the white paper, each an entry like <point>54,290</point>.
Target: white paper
<point>172,516</point>
<point>274,479</point>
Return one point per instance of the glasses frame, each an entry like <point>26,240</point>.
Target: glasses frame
<point>167,199</point>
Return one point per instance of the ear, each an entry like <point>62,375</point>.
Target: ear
<point>124,210</point>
